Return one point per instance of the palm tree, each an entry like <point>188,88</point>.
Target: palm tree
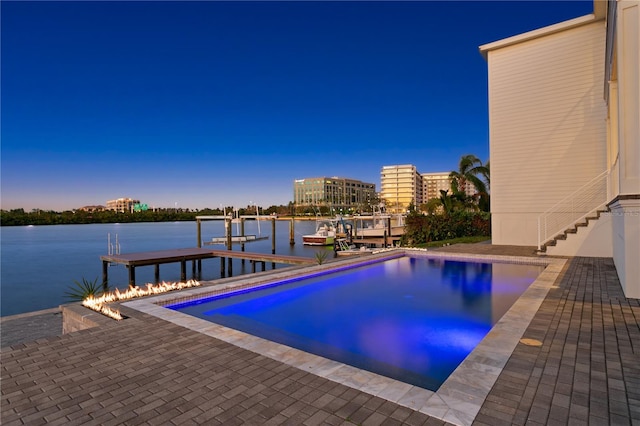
<point>432,206</point>
<point>485,200</point>
<point>470,169</point>
<point>456,201</point>
<point>487,174</point>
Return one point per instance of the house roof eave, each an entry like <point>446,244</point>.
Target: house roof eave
<point>540,32</point>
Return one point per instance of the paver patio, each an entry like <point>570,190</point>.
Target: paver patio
<point>148,371</point>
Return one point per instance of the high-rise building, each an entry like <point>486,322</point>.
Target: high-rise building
<point>432,183</point>
<point>400,186</point>
<point>334,192</point>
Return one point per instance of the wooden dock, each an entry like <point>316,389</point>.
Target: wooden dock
<point>375,241</point>
<point>196,254</point>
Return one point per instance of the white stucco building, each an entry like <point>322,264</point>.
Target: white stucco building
<point>564,125</point>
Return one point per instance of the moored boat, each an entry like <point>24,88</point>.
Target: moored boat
<point>377,225</point>
<point>324,236</point>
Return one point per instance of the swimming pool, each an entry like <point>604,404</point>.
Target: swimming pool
<point>458,400</point>
<point>413,319</point>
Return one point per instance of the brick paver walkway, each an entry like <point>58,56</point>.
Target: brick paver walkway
<point>145,370</point>
<point>587,370</point>
<point>30,326</point>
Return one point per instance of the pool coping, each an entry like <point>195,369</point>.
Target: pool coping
<point>459,398</point>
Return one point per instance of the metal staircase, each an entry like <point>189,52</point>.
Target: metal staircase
<point>577,210</point>
<point>571,230</point>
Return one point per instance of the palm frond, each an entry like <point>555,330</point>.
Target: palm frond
<point>477,183</point>
<point>321,256</point>
<point>81,290</point>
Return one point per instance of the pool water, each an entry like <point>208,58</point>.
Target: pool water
<point>412,319</point>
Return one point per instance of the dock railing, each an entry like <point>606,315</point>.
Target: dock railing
<point>573,209</point>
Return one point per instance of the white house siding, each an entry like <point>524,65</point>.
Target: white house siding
<point>629,95</point>
<point>626,210</point>
<point>547,125</point>
<point>595,240</point>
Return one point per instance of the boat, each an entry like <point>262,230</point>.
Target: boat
<point>325,233</point>
<point>379,224</point>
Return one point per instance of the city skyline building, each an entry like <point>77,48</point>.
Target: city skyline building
<point>122,205</point>
<point>334,192</point>
<point>403,184</point>
<point>433,183</point>
<point>400,185</point>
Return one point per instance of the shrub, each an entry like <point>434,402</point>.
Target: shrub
<point>321,256</point>
<point>421,229</point>
<point>84,289</point>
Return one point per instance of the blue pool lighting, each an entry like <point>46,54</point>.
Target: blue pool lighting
<point>413,319</point>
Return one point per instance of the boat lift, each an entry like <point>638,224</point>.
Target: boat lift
<point>235,239</point>
<point>239,221</point>
<point>113,248</point>
<point>242,239</point>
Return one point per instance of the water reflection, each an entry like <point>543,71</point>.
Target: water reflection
<point>472,280</point>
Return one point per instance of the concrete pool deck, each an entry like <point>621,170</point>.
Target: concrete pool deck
<point>148,370</point>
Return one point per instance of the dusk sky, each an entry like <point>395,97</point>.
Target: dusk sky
<point>207,103</point>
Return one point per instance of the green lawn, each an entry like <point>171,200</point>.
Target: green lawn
<point>462,240</point>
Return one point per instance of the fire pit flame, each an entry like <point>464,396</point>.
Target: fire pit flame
<point>99,304</point>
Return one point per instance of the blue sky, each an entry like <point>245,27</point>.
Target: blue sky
<point>207,103</point>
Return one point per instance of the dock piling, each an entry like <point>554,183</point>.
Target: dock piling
<point>292,240</point>
<point>242,235</point>
<point>105,275</point>
<point>132,275</point>
<point>199,232</point>
<point>228,231</point>
<point>273,239</point>
<point>183,270</point>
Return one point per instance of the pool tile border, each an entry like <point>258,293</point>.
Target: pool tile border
<point>460,397</point>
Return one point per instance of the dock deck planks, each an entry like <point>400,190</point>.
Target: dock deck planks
<point>132,260</point>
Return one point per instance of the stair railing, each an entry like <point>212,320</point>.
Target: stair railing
<point>573,209</point>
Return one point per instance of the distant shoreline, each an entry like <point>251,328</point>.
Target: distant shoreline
<point>8,223</point>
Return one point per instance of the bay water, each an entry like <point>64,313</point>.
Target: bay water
<point>39,264</point>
